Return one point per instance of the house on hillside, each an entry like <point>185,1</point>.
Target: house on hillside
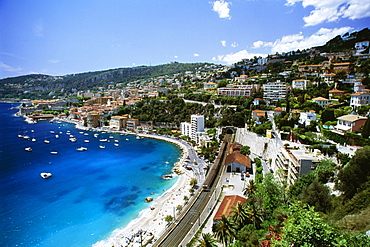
<point>237,162</point>
<point>335,94</point>
<point>350,123</point>
<point>360,98</point>
<point>321,101</point>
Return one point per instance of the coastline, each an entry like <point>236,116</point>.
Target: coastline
<point>150,223</point>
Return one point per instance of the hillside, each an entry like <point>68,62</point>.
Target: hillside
<point>12,87</point>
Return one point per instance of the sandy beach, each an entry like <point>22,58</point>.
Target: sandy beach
<point>151,222</point>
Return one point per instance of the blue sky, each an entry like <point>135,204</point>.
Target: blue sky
<point>73,36</point>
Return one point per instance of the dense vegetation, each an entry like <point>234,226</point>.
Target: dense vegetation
<point>303,214</point>
<point>41,85</point>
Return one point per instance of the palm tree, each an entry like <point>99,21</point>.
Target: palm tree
<point>239,215</point>
<point>250,190</point>
<point>224,231</point>
<point>254,215</point>
<point>207,241</point>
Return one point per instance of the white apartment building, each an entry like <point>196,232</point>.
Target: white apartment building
<point>300,84</point>
<point>240,90</point>
<point>295,163</point>
<point>359,99</point>
<point>194,129</point>
<point>274,91</point>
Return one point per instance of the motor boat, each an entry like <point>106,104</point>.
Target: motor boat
<point>45,175</point>
<point>28,149</point>
<point>81,149</point>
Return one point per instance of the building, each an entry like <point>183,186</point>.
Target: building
<point>185,128</point>
<point>210,85</point>
<point>335,94</point>
<point>257,114</point>
<point>274,91</point>
<point>350,123</point>
<point>300,84</point>
<point>197,126</point>
<point>227,205</point>
<point>307,117</point>
<point>237,162</point>
<point>93,119</point>
<point>360,98</point>
<point>321,101</point>
<point>239,90</point>
<point>132,123</point>
<point>118,122</point>
<point>293,164</point>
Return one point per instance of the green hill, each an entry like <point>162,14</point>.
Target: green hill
<point>13,87</point>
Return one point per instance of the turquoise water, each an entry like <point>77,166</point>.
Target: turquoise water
<point>90,193</point>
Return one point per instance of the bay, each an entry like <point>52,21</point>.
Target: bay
<point>90,193</point>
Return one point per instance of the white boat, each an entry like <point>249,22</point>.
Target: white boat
<point>111,137</point>
<point>81,132</point>
<point>82,149</point>
<point>116,140</point>
<point>57,136</point>
<point>96,135</point>
<point>116,144</point>
<point>127,139</point>
<point>46,175</point>
<point>26,137</point>
<point>103,140</point>
<point>137,137</point>
<point>72,139</point>
<point>28,149</point>
<point>102,146</point>
<point>86,134</point>
<point>33,139</point>
<point>46,141</point>
<point>86,140</point>
<point>52,131</point>
<point>54,152</point>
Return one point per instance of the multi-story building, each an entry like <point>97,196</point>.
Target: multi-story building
<point>118,122</point>
<point>239,90</point>
<point>321,101</point>
<point>300,84</point>
<point>132,123</point>
<point>274,91</point>
<point>185,128</point>
<point>293,164</point>
<point>350,123</point>
<point>197,126</point>
<point>360,98</point>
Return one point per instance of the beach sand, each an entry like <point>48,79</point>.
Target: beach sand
<point>151,222</point>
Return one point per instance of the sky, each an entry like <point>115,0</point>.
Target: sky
<point>74,36</point>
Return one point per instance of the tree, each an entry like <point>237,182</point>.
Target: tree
<point>239,215</point>
<point>224,231</point>
<point>245,150</point>
<point>168,219</point>
<point>207,241</point>
<point>193,182</point>
<point>366,129</point>
<point>328,115</point>
<point>304,227</point>
<point>355,173</point>
<point>317,195</point>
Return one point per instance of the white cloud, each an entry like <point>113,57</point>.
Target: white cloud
<point>236,57</point>
<point>223,42</point>
<point>196,55</point>
<point>259,44</point>
<point>234,44</point>
<point>333,10</point>
<point>53,61</point>
<point>175,56</point>
<point>9,68</point>
<point>298,41</point>
<point>222,9</point>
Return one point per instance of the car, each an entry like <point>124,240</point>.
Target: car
<point>247,174</point>
<point>188,168</point>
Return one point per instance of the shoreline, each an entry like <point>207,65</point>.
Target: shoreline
<point>150,223</point>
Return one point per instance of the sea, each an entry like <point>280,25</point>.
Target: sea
<point>90,193</point>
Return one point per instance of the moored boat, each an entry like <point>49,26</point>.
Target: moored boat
<point>82,149</point>
<point>46,175</point>
<point>28,149</point>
